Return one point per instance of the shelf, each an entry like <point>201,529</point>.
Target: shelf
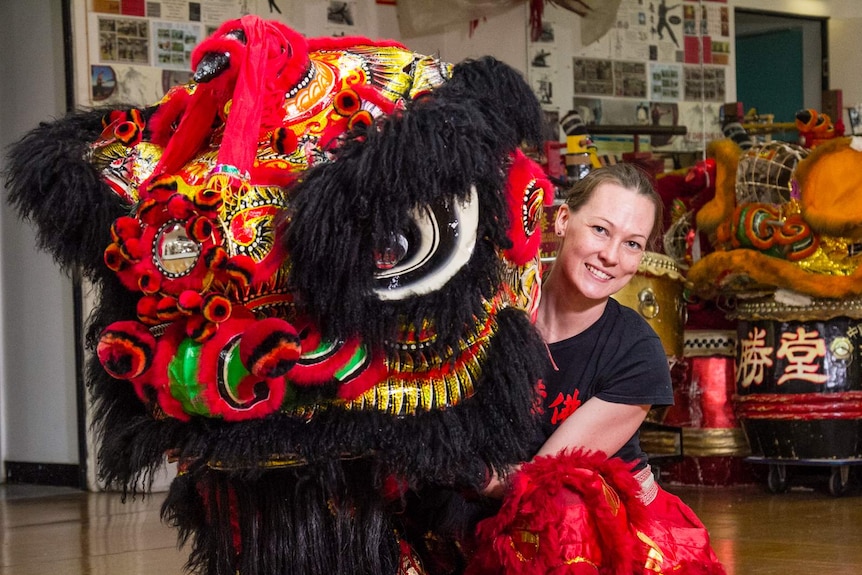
<point>635,130</point>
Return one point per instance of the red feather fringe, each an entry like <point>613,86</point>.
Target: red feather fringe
<point>573,513</point>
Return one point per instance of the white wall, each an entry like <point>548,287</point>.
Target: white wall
<point>37,364</point>
<point>844,54</point>
<point>845,25</point>
<point>502,35</point>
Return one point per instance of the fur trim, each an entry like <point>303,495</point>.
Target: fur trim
<point>752,271</point>
<point>720,208</point>
<point>830,179</point>
<point>328,518</point>
<point>49,174</point>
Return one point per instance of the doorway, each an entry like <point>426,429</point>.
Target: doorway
<point>780,63</point>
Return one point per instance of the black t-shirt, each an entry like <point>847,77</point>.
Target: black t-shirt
<point>619,359</point>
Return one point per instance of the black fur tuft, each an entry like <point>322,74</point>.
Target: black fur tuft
<point>51,182</point>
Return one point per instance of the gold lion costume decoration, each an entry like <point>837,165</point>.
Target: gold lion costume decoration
<point>783,217</point>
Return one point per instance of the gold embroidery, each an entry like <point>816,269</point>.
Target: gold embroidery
<point>611,496</point>
<point>655,558</point>
<point>527,541</point>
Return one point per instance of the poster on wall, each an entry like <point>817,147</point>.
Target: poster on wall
<point>593,77</point>
<point>341,17</point>
<point>138,49</point>
<point>665,82</point>
<point>135,60</point>
<point>707,32</point>
<point>211,12</point>
<point>173,43</point>
<point>663,62</point>
<point>648,30</point>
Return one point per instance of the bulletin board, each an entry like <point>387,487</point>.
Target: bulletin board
<point>663,62</point>
<point>132,51</point>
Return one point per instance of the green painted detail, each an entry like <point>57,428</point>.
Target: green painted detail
<point>183,378</point>
<point>234,371</point>
<point>324,349</point>
<point>353,364</point>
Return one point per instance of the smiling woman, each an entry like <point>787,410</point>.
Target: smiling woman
<point>607,369</point>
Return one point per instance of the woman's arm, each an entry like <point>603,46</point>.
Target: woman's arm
<point>597,425</point>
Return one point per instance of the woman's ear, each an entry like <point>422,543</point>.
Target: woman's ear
<point>561,220</point>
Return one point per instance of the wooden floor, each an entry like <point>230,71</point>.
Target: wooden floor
<point>58,531</point>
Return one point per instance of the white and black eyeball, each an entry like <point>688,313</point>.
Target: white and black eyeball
<point>436,245</point>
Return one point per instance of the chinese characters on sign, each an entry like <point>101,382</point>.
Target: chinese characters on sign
<point>802,350</point>
<point>798,353</point>
<point>754,358</point>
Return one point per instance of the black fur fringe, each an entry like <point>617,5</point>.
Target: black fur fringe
<point>306,520</point>
<point>51,182</point>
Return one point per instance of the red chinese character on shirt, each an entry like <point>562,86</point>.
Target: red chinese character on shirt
<point>563,407</point>
<point>539,401</point>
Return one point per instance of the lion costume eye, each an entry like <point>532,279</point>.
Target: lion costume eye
<point>438,244</point>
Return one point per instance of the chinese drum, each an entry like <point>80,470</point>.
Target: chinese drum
<point>703,404</point>
<point>655,292</point>
<point>798,379</point>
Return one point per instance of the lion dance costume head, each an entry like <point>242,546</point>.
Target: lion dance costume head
<point>316,265</point>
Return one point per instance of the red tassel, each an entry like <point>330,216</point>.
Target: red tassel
<point>537,8</point>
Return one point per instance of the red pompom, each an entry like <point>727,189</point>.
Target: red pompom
<point>215,258</point>
<point>134,249</point>
<point>284,141</point>
<point>114,257</point>
<point>179,207</point>
<point>216,308</point>
<point>189,301</point>
<point>128,133</point>
<point>149,282</point>
<point>269,348</point>
<point>346,102</point>
<point>200,229</point>
<point>126,349</point>
<point>125,227</point>
<point>199,329</point>
<point>360,118</point>
<point>166,309</point>
<point>240,269</point>
<point>208,199</point>
<point>147,309</point>
<point>150,211</point>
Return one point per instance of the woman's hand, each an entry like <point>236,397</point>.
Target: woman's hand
<point>497,485</point>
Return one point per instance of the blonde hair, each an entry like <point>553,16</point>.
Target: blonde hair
<point>628,176</point>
